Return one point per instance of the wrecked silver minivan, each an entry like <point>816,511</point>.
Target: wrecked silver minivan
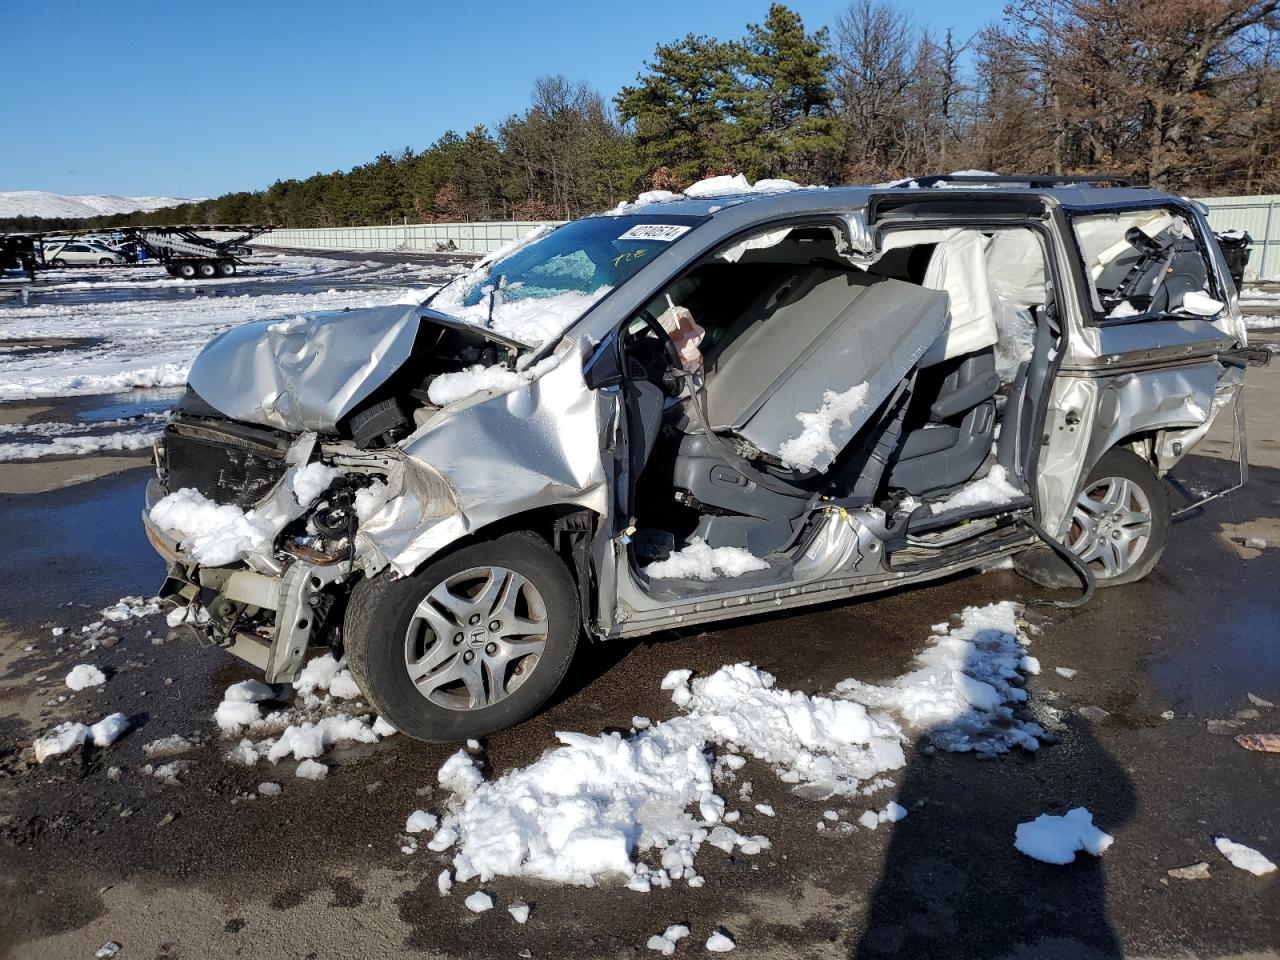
<point>693,408</point>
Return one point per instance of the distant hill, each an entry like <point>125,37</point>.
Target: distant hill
<point>38,203</point>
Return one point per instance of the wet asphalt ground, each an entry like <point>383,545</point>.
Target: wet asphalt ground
<point>192,870</point>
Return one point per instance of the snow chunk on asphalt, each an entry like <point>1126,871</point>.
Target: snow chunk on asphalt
<point>991,490</point>
<point>170,746</point>
<point>444,883</point>
<point>813,448</point>
<point>519,911</point>
<point>249,691</point>
<point>214,534</point>
<point>64,738</point>
<point>327,674</point>
<point>109,729</point>
<point>269,789</point>
<point>1057,839</point>
<point>699,561</point>
<point>84,675</point>
<point>1246,858</point>
<point>479,902</point>
<point>311,770</point>
<point>720,942</point>
<point>459,774</point>
<point>310,739</point>
<point>131,608</point>
<point>232,716</point>
<point>665,942</point>
<point>966,685</point>
<point>419,821</point>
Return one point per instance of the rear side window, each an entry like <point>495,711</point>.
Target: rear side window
<point>1145,263</point>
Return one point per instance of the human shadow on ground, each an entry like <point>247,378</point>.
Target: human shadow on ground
<point>953,885</point>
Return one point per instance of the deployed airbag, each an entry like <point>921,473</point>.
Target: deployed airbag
<point>824,331</point>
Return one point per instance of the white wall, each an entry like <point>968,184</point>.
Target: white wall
<point>1259,216</point>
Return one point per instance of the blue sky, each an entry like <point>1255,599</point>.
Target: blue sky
<point>196,99</point>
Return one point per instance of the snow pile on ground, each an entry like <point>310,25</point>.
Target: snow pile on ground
<point>451,387</point>
<point>640,808</point>
<point>326,711</point>
<point>720,942</point>
<point>66,737</point>
<point>170,746</point>
<point>84,675</point>
<point>124,344</point>
<point>665,942</point>
<point>699,561</point>
<point>1057,839</point>
<point>585,808</point>
<point>131,608</point>
<point>966,685</point>
<point>991,490</point>
<point>41,203</point>
<point>78,446</point>
<point>213,534</point>
<point>1246,858</point>
<point>813,448</point>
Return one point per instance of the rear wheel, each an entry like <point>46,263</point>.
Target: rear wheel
<point>227,268</point>
<point>472,643</point>
<point>59,262</point>
<point>1121,519</point>
<point>187,270</point>
<point>105,262</point>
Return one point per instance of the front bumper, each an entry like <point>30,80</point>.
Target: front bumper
<point>266,620</point>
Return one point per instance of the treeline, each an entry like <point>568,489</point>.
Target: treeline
<point>1181,94</point>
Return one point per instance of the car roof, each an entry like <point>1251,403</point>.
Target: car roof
<point>1074,197</point>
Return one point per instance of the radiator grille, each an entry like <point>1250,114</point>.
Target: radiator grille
<point>237,471</point>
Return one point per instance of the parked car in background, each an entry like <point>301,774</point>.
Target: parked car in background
<point>70,253</point>
<point>694,408</point>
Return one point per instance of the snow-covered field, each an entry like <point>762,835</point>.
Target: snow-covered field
<point>82,333</point>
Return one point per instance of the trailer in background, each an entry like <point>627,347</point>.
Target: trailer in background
<point>189,250</point>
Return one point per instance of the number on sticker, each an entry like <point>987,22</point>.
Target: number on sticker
<point>665,232</point>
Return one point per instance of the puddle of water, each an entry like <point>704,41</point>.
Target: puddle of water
<point>83,543</point>
<point>1210,674</point>
<point>131,404</point>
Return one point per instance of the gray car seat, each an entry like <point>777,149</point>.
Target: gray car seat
<point>955,427</point>
<point>821,329</point>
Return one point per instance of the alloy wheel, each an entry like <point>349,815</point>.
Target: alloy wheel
<point>1111,526</point>
<point>475,638</point>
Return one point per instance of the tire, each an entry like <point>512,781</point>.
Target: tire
<point>187,271</point>
<point>227,268</point>
<point>208,270</point>
<point>59,262</point>
<point>1122,537</point>
<point>105,262</point>
<point>385,632</point>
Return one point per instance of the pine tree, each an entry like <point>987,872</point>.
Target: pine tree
<point>784,121</point>
<point>679,108</point>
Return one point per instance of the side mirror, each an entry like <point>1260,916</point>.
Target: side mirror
<point>604,367</point>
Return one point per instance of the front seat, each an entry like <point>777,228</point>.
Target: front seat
<point>951,425</point>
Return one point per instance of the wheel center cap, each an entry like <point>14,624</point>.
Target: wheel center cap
<point>478,637</point>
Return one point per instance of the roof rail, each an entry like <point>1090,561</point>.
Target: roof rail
<point>1031,180</point>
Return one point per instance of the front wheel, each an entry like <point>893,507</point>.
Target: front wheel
<point>472,643</point>
<point>1120,522</point>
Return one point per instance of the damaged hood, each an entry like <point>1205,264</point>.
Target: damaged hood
<point>309,372</point>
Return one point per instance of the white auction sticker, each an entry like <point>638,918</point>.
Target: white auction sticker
<point>655,231</point>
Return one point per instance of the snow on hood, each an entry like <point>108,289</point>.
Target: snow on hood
<point>309,372</point>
